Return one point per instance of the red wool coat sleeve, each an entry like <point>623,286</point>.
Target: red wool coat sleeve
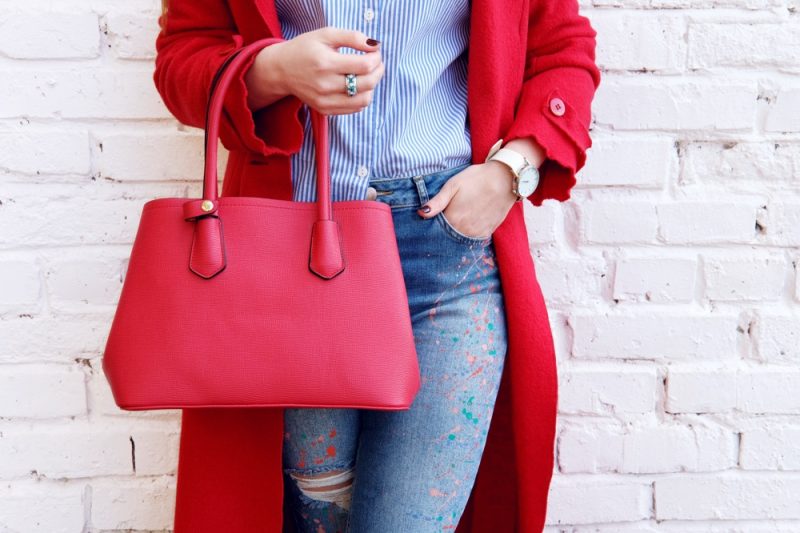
<point>559,64</point>
<point>195,39</point>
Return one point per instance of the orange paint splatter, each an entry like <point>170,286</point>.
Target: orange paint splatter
<point>331,451</point>
<point>332,433</point>
<point>436,492</point>
<point>477,371</point>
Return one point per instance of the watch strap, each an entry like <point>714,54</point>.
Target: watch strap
<point>515,160</point>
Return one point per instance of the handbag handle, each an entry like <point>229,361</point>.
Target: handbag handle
<point>207,259</point>
<point>219,85</point>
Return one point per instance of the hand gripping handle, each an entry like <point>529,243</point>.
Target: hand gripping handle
<point>208,257</point>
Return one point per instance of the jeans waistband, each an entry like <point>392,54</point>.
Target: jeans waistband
<point>413,191</point>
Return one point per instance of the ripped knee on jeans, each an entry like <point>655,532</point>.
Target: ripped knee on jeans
<point>334,486</point>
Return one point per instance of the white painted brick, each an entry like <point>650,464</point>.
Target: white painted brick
<point>728,496</point>
<point>678,448</point>
<point>754,390</point>
<point>133,35</point>
<point>796,275</point>
<point>91,280</point>
<point>145,503</point>
<point>684,526</point>
<point>35,151</point>
<point>157,449</point>
<point>540,221</point>
<point>712,44</point>
<point>771,389</point>
<point>684,4</point>
<point>37,391</point>
<point>50,34</point>
<point>781,223</point>
<point>784,116</point>
<point>707,222</point>
<point>677,335</point>
<point>629,161</point>
<point>589,449</point>
<point>759,163</point>
<point>644,103</point>
<point>572,281</point>
<point>81,448</point>
<point>65,451</point>
<point>647,449</point>
<point>142,155</point>
<point>744,277</point>
<point>692,389</point>
<point>21,286</point>
<point>609,221</point>
<point>771,448</point>
<point>57,218</point>
<point>42,506</point>
<point>636,40</point>
<point>603,391</point>
<point>579,499</point>
<point>655,279</point>
<point>101,400</point>
<point>61,339</point>
<point>778,337</point>
<point>81,92</point>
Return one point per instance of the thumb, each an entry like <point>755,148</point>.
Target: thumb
<point>337,37</point>
<point>438,202</point>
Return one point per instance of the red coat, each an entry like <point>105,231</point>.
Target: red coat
<point>524,56</point>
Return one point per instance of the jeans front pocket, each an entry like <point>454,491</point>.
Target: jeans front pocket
<point>456,235</point>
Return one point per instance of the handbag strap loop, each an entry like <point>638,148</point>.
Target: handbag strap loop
<point>219,86</point>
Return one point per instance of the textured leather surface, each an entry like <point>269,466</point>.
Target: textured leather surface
<point>262,302</point>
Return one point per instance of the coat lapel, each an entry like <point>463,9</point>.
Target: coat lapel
<point>269,16</point>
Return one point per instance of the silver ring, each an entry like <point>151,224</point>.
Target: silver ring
<point>351,84</point>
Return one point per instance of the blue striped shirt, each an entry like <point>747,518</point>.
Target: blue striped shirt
<point>416,122</point>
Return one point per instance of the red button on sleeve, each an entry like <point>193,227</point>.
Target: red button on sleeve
<point>557,106</point>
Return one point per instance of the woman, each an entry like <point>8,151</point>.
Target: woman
<point>418,125</point>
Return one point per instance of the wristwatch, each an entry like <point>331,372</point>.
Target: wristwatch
<point>526,175</point>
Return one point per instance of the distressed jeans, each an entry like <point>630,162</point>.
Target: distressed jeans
<point>368,471</point>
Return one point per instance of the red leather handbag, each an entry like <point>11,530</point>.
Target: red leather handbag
<point>260,302</point>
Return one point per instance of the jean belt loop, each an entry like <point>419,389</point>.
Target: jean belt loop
<point>419,181</point>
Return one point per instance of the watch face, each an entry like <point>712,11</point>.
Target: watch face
<point>528,180</point>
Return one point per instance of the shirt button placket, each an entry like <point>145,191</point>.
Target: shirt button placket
<point>363,170</point>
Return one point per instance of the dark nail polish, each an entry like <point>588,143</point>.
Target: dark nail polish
<point>373,42</point>
<point>425,208</point>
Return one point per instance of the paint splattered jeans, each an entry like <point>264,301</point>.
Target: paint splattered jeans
<point>369,471</point>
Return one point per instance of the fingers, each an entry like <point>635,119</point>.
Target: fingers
<point>359,64</point>
<point>335,98</point>
<point>337,37</point>
<point>439,200</point>
<point>331,96</point>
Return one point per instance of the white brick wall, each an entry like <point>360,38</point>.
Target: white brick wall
<point>671,276</point>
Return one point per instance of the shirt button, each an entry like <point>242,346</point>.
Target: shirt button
<point>557,106</point>
<point>363,171</point>
<point>369,14</point>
